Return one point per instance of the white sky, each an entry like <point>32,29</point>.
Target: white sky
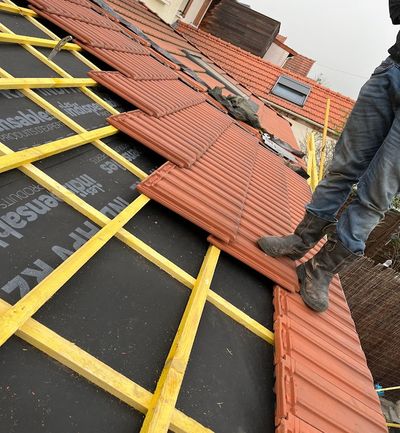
<point>352,36</point>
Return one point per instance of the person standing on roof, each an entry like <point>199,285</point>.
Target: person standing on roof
<point>366,154</point>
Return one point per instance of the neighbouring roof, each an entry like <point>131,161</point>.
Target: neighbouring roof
<point>260,77</point>
<point>296,63</point>
<point>220,178</point>
<point>299,64</point>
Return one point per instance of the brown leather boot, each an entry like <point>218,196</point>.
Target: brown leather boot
<point>316,275</point>
<point>307,234</point>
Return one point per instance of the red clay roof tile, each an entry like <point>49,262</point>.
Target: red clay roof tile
<point>318,402</point>
<point>212,193</point>
<point>296,341</point>
<point>83,13</point>
<point>182,137</point>
<point>136,66</point>
<point>155,97</point>
<point>341,336</point>
<point>292,424</point>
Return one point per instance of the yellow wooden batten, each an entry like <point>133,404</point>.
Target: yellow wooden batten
<point>18,314</point>
<point>37,42</point>
<point>13,9</point>
<point>392,388</point>
<point>8,162</point>
<point>44,83</point>
<point>97,372</point>
<point>161,408</point>
<point>324,139</point>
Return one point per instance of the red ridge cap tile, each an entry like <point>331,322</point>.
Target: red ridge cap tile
<point>182,137</point>
<point>313,399</point>
<point>296,341</point>
<point>155,97</point>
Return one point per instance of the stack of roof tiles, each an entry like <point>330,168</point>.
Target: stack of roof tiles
<point>220,177</point>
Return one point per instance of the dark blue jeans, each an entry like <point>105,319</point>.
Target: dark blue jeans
<point>367,154</point>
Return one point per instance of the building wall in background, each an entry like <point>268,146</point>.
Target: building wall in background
<point>192,11</point>
<point>195,11</point>
<point>167,10</point>
<point>276,55</point>
<point>241,26</point>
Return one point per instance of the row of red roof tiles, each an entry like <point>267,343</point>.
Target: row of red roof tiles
<point>260,77</point>
<point>221,178</point>
<point>165,36</point>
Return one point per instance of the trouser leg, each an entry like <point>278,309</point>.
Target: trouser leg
<point>375,192</point>
<point>364,133</point>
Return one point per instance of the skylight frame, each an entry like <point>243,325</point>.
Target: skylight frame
<point>295,86</point>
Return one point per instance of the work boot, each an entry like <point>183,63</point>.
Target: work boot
<point>316,274</point>
<point>295,246</point>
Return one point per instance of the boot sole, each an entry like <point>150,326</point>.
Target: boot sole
<point>275,256</point>
<point>301,274</point>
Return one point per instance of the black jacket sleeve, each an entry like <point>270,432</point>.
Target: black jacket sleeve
<point>394,6</point>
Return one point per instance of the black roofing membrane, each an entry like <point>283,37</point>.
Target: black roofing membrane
<point>245,288</point>
<point>113,99</point>
<point>24,124</point>
<point>21,26</point>
<point>94,177</point>
<point>77,106</point>
<point>38,394</point>
<point>66,60</point>
<point>229,381</point>
<point>122,309</point>
<point>37,232</point>
<point>174,237</point>
<point>21,64</point>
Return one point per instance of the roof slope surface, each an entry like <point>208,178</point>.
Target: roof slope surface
<point>221,178</point>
